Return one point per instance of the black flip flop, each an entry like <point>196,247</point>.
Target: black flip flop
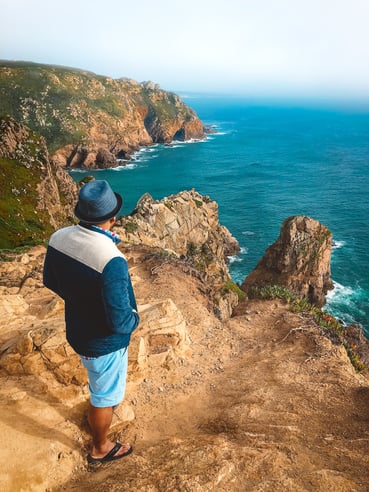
<point>111,455</point>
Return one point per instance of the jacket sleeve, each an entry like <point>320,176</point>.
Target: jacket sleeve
<point>118,297</point>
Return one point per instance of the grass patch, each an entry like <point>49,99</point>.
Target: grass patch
<point>231,286</point>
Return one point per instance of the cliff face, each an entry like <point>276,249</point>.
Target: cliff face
<point>36,195</point>
<point>299,260</point>
<point>90,120</point>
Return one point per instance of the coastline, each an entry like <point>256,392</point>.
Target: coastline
<point>253,174</point>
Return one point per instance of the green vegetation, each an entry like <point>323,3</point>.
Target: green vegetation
<point>20,222</point>
<point>191,249</point>
<point>302,306</point>
<point>131,227</point>
<point>199,256</point>
<point>165,106</point>
<point>355,359</point>
<point>10,254</point>
<point>272,292</point>
<point>231,286</point>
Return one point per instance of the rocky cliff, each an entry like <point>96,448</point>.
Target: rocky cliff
<point>299,260</point>
<point>37,196</point>
<point>90,120</point>
<point>186,224</point>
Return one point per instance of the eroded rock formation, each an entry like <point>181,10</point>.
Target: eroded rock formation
<point>183,230</point>
<point>299,260</point>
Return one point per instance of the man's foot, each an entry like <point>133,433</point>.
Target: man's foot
<point>117,451</point>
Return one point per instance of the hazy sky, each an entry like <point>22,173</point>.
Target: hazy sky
<point>256,47</point>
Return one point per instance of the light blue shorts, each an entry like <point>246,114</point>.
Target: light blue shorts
<point>107,376</point>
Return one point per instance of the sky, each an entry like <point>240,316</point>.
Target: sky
<point>271,48</point>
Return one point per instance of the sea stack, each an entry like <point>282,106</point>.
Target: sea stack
<point>299,260</point>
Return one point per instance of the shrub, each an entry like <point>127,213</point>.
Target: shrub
<point>272,292</point>
<point>231,286</point>
<point>131,227</point>
<point>191,248</point>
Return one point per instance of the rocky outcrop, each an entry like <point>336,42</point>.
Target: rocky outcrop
<point>186,225</point>
<point>90,120</point>
<point>44,350</point>
<point>299,260</point>
<point>37,196</point>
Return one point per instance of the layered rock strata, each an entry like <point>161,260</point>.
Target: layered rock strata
<point>299,260</point>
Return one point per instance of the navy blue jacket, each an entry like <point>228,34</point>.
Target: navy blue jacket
<point>87,270</point>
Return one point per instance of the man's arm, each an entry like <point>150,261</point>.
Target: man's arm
<point>118,297</point>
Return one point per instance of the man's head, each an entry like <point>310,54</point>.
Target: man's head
<point>97,202</point>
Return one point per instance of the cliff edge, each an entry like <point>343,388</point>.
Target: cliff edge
<point>262,400</point>
<point>259,400</point>
<point>89,120</point>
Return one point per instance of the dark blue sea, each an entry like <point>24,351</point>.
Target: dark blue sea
<point>268,162</point>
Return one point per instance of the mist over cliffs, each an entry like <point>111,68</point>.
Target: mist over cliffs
<point>91,120</point>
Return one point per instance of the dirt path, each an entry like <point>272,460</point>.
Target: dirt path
<point>285,412</point>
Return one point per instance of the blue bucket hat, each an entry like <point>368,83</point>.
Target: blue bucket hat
<point>97,202</point>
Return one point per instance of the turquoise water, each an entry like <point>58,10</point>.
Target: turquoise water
<point>265,164</point>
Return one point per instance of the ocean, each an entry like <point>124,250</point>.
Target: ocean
<point>268,162</point>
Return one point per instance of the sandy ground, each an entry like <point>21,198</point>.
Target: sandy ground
<point>261,402</point>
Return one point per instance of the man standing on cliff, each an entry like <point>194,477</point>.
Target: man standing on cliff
<point>84,267</point>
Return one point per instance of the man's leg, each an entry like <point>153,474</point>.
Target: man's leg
<point>100,420</point>
<point>107,378</point>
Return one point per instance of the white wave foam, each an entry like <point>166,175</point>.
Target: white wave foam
<point>347,304</point>
<point>126,167</point>
<point>338,244</point>
<point>338,291</point>
<point>144,150</point>
<point>237,258</point>
<point>234,259</point>
<point>248,233</point>
<point>192,141</point>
